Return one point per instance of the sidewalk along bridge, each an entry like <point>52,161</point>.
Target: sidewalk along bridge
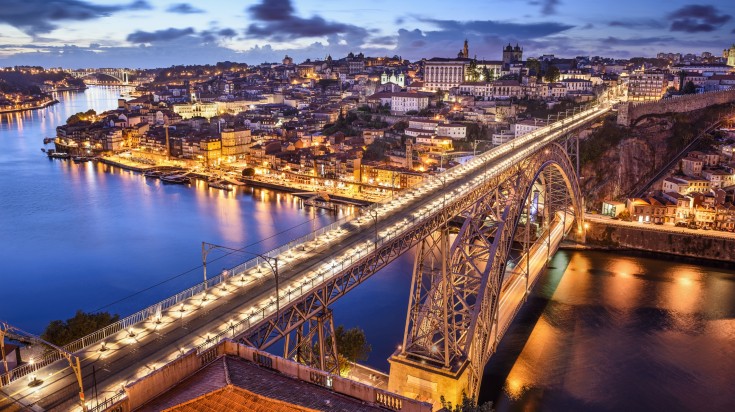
<point>512,197</point>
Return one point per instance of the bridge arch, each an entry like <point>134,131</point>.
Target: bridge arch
<point>121,76</point>
<point>456,312</point>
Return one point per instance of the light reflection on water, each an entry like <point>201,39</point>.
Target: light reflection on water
<point>81,235</point>
<point>618,332</point>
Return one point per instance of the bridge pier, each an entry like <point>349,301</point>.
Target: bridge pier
<point>422,381</point>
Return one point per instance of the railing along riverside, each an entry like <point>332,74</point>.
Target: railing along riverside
<point>158,308</point>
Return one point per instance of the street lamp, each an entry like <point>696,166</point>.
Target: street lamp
<point>271,261</point>
<point>374,214</point>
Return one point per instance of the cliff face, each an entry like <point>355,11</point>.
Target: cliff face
<point>616,160</point>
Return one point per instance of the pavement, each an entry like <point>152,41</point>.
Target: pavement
<point>660,228</point>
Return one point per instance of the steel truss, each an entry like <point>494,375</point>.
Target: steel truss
<point>293,315</point>
<point>452,318</point>
<point>315,343</point>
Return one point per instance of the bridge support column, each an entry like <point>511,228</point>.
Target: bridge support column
<point>315,344</point>
<point>420,380</point>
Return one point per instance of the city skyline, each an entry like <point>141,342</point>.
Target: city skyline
<point>146,34</point>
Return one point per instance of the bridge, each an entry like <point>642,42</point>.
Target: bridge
<point>515,203</point>
<point>121,75</point>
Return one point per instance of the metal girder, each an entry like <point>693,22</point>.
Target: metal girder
<point>315,343</point>
<point>453,309</point>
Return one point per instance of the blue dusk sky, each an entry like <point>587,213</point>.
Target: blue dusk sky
<point>153,33</point>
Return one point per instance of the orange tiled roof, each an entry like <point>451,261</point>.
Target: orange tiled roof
<point>232,398</point>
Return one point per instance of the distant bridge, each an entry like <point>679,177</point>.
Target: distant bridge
<point>121,75</point>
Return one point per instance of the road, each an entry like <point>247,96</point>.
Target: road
<point>660,228</point>
<point>248,297</point>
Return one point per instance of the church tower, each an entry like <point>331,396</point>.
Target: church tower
<point>731,56</point>
<point>466,49</point>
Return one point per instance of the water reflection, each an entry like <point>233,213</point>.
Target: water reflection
<point>81,235</point>
<point>620,333</point>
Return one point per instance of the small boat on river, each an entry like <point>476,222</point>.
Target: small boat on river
<point>220,184</point>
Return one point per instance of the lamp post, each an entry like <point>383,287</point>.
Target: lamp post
<point>271,261</point>
<point>374,214</point>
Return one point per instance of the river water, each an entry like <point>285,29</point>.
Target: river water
<point>600,331</point>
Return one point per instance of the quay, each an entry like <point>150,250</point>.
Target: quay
<point>42,105</point>
<point>708,245</point>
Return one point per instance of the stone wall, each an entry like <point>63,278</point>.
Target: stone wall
<point>698,245</point>
<point>629,112</point>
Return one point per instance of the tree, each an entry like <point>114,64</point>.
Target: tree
<point>534,66</point>
<point>467,405</point>
<point>61,332</point>
<point>689,88</point>
<point>486,76</point>
<point>472,72</point>
<point>552,74</point>
<point>248,172</point>
<point>352,346</point>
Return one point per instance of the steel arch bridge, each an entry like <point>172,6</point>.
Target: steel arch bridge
<point>464,296</point>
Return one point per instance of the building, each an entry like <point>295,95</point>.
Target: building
<point>397,79</point>
<point>527,126</point>
<point>647,85</point>
<point>512,54</point>
<point>444,74</point>
<point>197,109</point>
<point>403,102</point>
<point>234,377</point>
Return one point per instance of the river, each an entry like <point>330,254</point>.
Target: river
<point>600,331</point>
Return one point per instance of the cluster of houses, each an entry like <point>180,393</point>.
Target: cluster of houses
<point>701,196</point>
<point>282,116</point>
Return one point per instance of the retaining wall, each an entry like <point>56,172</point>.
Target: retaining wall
<point>629,112</point>
<point>696,245</point>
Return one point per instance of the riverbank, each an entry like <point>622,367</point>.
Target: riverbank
<point>28,108</point>
<point>693,246</point>
<point>254,181</point>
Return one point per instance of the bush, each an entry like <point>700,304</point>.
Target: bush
<point>61,332</point>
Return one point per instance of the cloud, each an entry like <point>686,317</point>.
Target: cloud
<point>637,24</point>
<point>158,35</point>
<point>638,41</point>
<point>547,6</point>
<point>278,22</point>
<point>695,18</point>
<point>35,17</point>
<point>491,27</point>
<point>183,8</point>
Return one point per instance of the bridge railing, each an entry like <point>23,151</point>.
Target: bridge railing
<point>172,301</point>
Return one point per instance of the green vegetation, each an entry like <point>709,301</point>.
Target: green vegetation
<point>473,73</point>
<point>552,74</point>
<point>248,172</point>
<point>81,117</point>
<point>376,151</point>
<point>61,332</point>
<point>16,81</point>
<point>607,136</point>
<point>689,88</point>
<point>467,405</point>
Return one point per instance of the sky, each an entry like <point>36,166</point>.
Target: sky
<point>162,33</point>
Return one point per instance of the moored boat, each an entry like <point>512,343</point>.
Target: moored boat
<point>58,155</point>
<point>177,179</point>
<point>220,184</point>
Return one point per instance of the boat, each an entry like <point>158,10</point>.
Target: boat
<point>177,179</point>
<point>153,173</point>
<point>81,159</point>
<point>58,155</point>
<point>220,184</point>
<point>47,140</point>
